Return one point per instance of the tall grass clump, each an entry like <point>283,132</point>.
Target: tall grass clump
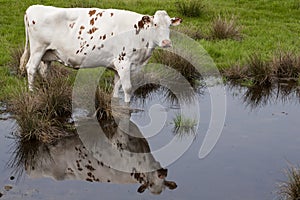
<point>286,65</point>
<point>183,125</point>
<point>290,190</point>
<point>190,8</point>
<point>258,70</point>
<point>223,28</point>
<point>178,63</point>
<point>282,67</point>
<point>193,32</point>
<point>43,114</point>
<point>14,63</point>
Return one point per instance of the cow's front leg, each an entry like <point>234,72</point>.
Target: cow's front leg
<point>124,73</point>
<point>117,86</point>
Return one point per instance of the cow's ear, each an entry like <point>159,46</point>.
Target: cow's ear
<point>142,188</point>
<point>170,184</point>
<point>175,21</point>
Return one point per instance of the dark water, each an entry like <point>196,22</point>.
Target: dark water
<point>260,137</point>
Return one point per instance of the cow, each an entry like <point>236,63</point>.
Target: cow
<point>108,156</point>
<point>120,40</point>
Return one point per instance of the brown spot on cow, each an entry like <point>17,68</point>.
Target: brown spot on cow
<point>92,30</point>
<point>111,14</point>
<point>77,51</point>
<point>92,12</point>
<point>88,179</point>
<point>99,14</point>
<point>80,32</point>
<point>72,25</point>
<point>92,21</point>
<point>93,47</point>
<point>90,167</point>
<point>143,39</point>
<point>134,49</point>
<point>100,38</point>
<point>33,22</point>
<point>112,34</point>
<point>140,25</point>
<point>104,36</point>
<point>92,37</point>
<point>176,20</point>
<point>82,27</point>
<point>147,45</point>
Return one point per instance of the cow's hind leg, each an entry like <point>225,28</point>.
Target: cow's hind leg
<point>32,66</point>
<point>124,74</point>
<point>44,69</point>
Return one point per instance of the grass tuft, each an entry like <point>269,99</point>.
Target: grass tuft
<point>190,8</point>
<point>193,32</point>
<point>290,190</point>
<point>183,125</point>
<point>223,28</point>
<point>259,71</point>
<point>43,114</point>
<point>178,63</point>
<point>14,62</point>
<point>286,65</point>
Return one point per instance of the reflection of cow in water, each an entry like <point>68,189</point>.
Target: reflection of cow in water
<point>70,159</point>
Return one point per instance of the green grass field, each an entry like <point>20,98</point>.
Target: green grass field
<point>267,26</point>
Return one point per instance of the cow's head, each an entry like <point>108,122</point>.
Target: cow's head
<point>161,26</point>
<point>158,27</point>
<point>155,181</point>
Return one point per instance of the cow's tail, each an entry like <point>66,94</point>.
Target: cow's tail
<point>25,56</point>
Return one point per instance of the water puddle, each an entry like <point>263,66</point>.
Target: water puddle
<point>259,138</point>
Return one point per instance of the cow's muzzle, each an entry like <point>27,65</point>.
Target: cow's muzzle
<point>166,43</point>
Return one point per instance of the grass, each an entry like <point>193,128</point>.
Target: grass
<point>282,67</point>
<point>290,190</point>
<point>267,27</point>
<point>190,8</point>
<point>183,125</point>
<point>43,114</point>
<point>223,28</point>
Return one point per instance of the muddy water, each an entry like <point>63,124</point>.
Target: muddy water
<point>260,137</point>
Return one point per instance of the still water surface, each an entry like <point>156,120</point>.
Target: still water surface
<point>258,141</point>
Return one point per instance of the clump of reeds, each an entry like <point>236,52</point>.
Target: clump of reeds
<point>178,63</point>
<point>282,67</point>
<point>43,114</point>
<point>190,8</point>
<point>259,70</point>
<point>290,190</point>
<point>286,65</point>
<point>223,28</point>
<point>193,32</point>
<point>14,63</point>
<point>183,125</point>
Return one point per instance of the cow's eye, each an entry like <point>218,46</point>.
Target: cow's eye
<point>151,184</point>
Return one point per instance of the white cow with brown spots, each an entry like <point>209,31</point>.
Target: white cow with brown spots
<point>90,37</point>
